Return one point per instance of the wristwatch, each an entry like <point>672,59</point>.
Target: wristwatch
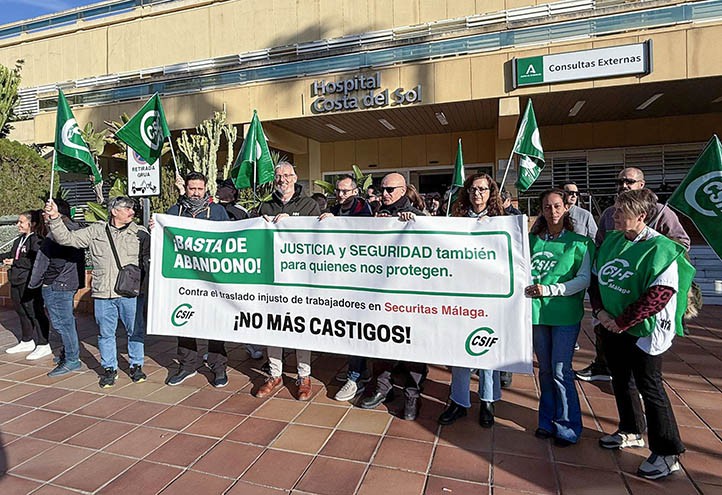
<point>595,312</point>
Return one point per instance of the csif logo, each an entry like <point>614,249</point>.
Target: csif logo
<point>615,270</point>
<point>181,315</point>
<point>541,263</point>
<point>480,341</point>
<point>150,131</point>
<point>708,188</point>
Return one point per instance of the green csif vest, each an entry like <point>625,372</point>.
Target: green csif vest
<point>626,270</point>
<point>558,261</point>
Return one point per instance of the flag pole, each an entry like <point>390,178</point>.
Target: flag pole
<point>175,162</point>
<point>506,171</point>
<point>52,175</point>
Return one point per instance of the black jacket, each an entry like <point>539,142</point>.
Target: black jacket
<point>298,205</point>
<point>359,208</point>
<point>19,273</point>
<point>402,205</point>
<point>62,267</point>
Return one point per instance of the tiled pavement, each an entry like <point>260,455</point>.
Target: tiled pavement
<point>68,436</point>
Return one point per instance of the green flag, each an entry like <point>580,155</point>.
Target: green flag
<point>254,160</point>
<point>72,153</point>
<point>147,130</point>
<point>699,196</point>
<point>529,148</point>
<point>457,182</point>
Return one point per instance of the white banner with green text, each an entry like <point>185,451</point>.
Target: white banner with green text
<point>435,290</point>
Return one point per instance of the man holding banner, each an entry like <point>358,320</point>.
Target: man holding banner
<point>196,203</point>
<point>287,201</point>
<point>395,203</point>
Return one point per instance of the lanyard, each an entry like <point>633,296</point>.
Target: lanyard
<point>20,246</point>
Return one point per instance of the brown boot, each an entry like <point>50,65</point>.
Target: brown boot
<point>304,387</point>
<point>267,388</point>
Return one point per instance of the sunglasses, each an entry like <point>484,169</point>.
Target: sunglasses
<point>626,181</point>
<point>573,193</point>
<point>389,189</point>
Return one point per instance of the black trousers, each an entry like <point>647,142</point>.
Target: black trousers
<point>191,361</point>
<point>625,361</point>
<point>414,374</point>
<point>599,360</point>
<point>28,304</point>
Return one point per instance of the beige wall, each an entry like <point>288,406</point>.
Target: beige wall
<point>181,31</point>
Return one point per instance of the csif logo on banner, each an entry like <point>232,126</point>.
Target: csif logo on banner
<point>181,315</point>
<point>480,341</point>
<point>704,194</point>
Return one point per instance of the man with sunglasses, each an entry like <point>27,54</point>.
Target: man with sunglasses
<point>395,203</point>
<point>582,219</point>
<point>665,222</point>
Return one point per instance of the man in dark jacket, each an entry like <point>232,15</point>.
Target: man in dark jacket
<point>395,203</point>
<point>287,201</point>
<point>60,271</point>
<point>196,203</point>
<point>350,204</point>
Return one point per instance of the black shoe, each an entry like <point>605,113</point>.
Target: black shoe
<point>107,380</point>
<point>486,414</point>
<point>180,377</point>
<point>452,413</point>
<point>412,404</point>
<point>542,433</point>
<point>136,374</point>
<point>561,442</point>
<point>376,399</point>
<point>505,378</point>
<point>221,379</point>
<point>594,373</point>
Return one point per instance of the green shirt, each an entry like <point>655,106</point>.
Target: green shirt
<point>627,269</point>
<point>557,261</point>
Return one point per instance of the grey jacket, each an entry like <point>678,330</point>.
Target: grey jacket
<point>95,239</point>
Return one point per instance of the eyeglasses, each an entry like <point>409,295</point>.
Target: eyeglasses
<point>626,181</point>
<point>389,189</point>
<point>572,193</point>
<point>344,191</point>
<point>285,176</point>
<point>480,190</point>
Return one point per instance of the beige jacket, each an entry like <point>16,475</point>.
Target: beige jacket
<point>95,239</point>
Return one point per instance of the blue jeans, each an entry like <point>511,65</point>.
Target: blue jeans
<point>559,411</point>
<point>356,367</point>
<point>489,385</point>
<point>107,313</point>
<point>59,304</point>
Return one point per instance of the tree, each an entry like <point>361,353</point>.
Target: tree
<point>25,177</point>
<point>199,152</point>
<point>9,82</point>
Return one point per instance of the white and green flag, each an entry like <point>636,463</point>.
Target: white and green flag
<point>699,196</point>
<point>254,165</point>
<point>457,182</point>
<point>72,153</point>
<point>146,131</point>
<point>529,148</point>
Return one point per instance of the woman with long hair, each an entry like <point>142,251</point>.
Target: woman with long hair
<point>478,198</point>
<point>560,270</point>
<point>28,303</point>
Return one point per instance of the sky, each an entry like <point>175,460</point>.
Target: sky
<point>16,10</point>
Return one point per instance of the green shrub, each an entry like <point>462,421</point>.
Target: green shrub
<point>25,178</point>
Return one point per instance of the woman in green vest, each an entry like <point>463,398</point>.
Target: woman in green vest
<point>639,294</point>
<point>560,268</point>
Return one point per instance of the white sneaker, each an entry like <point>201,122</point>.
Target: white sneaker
<point>658,466</point>
<point>22,346</point>
<point>40,352</point>
<point>349,390</point>
<point>621,440</point>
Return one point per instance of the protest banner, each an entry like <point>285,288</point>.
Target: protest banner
<point>435,290</point>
